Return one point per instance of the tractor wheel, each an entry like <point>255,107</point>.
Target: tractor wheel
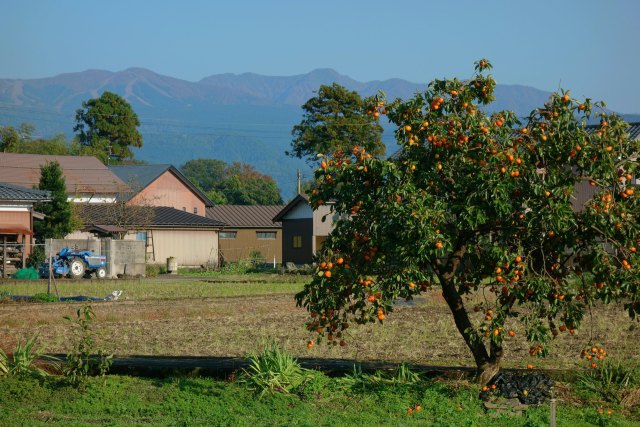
<point>101,273</point>
<point>76,269</point>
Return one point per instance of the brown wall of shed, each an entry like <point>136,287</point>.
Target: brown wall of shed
<point>15,218</point>
<point>246,241</point>
<point>297,227</point>
<point>168,190</point>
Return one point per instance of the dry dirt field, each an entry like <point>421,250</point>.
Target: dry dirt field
<point>191,324</point>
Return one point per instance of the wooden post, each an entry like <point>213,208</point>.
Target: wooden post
<point>24,251</point>
<point>50,266</point>
<point>552,417</point>
<point>4,256</point>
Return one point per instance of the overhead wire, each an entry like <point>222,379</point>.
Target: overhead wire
<point>146,122</point>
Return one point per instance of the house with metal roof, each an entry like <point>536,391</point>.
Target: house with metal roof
<point>304,230</point>
<point>87,179</point>
<point>162,185</point>
<point>584,192</point>
<point>16,224</point>
<point>250,232</point>
<point>191,239</point>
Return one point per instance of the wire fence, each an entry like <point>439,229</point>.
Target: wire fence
<point>15,255</point>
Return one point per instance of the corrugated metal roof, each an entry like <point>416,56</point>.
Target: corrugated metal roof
<point>246,216</point>
<point>633,129</point>
<point>140,176</point>
<point>83,174</point>
<point>104,214</point>
<point>21,194</point>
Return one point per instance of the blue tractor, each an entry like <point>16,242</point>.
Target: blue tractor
<point>75,264</point>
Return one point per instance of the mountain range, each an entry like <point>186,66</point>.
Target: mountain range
<point>232,117</point>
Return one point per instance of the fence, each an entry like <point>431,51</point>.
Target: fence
<point>124,257</point>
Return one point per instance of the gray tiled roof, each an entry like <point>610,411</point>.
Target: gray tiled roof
<point>245,216</point>
<point>21,194</point>
<point>148,216</point>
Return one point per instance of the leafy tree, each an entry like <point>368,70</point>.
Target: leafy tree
<point>9,139</point>
<point>235,184</point>
<point>25,131</point>
<point>333,120</point>
<point>59,216</point>
<point>481,207</point>
<point>206,174</point>
<point>20,140</point>
<point>57,146</point>
<point>107,127</point>
<point>246,186</point>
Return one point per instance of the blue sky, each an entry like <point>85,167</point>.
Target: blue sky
<point>588,46</point>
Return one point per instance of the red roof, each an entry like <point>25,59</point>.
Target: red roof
<point>83,174</point>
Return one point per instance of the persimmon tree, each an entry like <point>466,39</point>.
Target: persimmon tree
<point>481,207</point>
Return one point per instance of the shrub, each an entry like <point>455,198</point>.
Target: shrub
<point>256,257</point>
<point>44,297</point>
<point>240,267</point>
<point>153,270</point>
<point>36,258</point>
<point>81,361</point>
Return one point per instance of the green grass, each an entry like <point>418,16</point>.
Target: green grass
<point>122,400</point>
<point>212,287</point>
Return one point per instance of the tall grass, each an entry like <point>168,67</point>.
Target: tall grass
<point>274,370</point>
<point>610,381</point>
<point>23,359</point>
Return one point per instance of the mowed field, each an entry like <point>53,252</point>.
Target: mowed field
<point>233,316</point>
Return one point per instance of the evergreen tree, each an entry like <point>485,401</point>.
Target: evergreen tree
<point>59,218</point>
<point>107,127</point>
<point>336,119</point>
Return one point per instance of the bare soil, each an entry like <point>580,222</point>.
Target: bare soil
<point>418,332</point>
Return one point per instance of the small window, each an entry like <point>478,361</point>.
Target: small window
<point>228,234</point>
<point>297,242</point>
<point>266,235</point>
<point>195,211</point>
<point>142,236</point>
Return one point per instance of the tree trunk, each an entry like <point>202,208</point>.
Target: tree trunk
<point>488,364</point>
<point>487,371</point>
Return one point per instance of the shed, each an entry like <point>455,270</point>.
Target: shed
<point>16,224</point>
<point>304,229</point>
<point>250,230</point>
<point>169,232</point>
